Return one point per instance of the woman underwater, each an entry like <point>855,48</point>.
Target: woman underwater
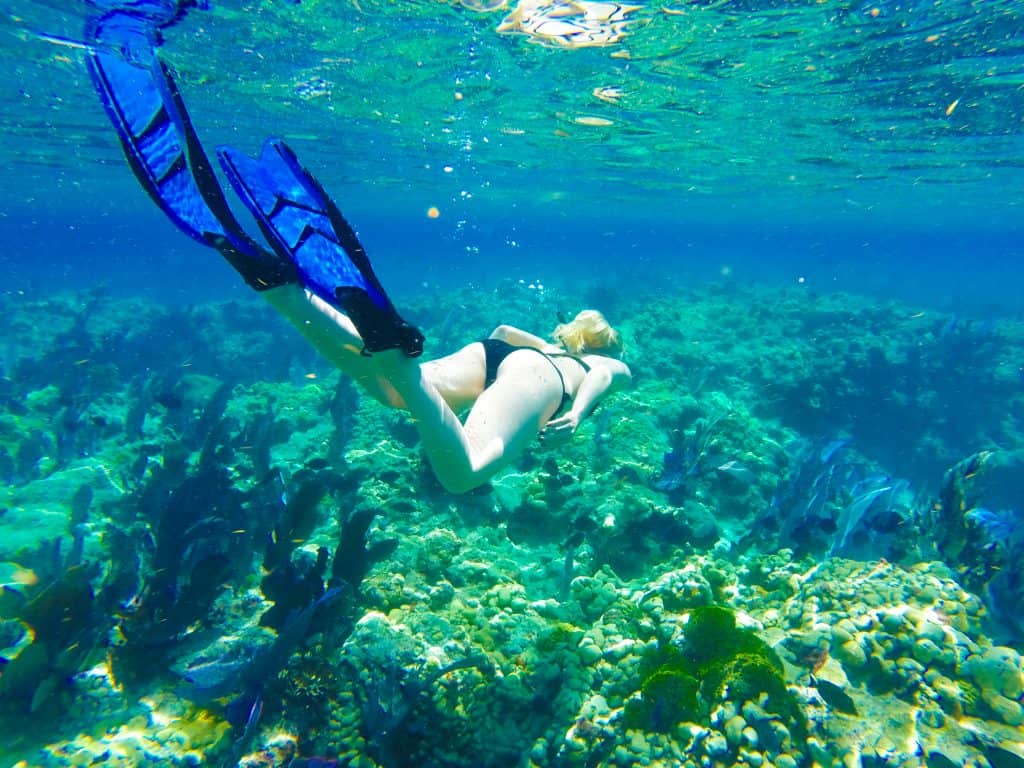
<point>517,386</point>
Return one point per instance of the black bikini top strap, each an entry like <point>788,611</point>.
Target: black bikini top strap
<point>583,364</point>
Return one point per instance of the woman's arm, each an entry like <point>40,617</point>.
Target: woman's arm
<point>520,338</point>
<point>608,376</point>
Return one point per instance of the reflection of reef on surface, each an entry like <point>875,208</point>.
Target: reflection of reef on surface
<point>569,23</point>
<point>260,557</point>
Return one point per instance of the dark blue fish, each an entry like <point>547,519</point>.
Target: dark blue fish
<point>831,449</point>
<point>212,674</point>
<point>873,514</point>
<point>949,327</point>
<point>835,696</point>
<point>1003,526</point>
<point>673,472</point>
<point>244,712</point>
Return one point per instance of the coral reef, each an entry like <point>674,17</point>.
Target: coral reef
<point>727,565</point>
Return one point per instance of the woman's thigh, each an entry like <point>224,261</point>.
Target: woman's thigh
<point>458,377</point>
<point>526,392</point>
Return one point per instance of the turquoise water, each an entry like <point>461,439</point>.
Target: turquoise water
<point>794,541</point>
<point>814,133</point>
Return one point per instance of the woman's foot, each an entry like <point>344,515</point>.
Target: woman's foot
<point>381,329</point>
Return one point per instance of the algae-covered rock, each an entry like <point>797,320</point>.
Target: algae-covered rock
<point>667,696</point>
<point>594,595</point>
<point>997,669</point>
<point>437,552</point>
<point>716,660</point>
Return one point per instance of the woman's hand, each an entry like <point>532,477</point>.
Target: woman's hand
<point>560,430</point>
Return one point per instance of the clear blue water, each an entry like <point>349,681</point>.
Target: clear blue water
<point>779,140</point>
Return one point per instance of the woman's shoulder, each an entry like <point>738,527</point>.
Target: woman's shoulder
<point>612,364</point>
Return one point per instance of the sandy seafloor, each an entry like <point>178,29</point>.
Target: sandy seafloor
<point>552,618</point>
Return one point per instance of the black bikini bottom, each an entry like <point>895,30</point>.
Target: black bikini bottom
<point>495,352</point>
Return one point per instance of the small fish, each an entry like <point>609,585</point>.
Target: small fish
<point>949,327</point>
<point>14,575</point>
<point>255,713</point>
<point>835,696</point>
<point>169,400</point>
<point>43,691</point>
<point>1003,526</point>
<point>243,712</point>
<point>830,450</point>
<point>317,464</point>
<point>209,674</point>
<point>738,472</point>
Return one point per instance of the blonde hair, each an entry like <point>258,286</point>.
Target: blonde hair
<point>589,333</point>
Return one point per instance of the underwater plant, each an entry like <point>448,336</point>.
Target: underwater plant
<point>879,511</point>
<point>176,582</point>
<point>293,580</point>
<point>186,532</point>
<point>65,629</point>
<point>979,532</point>
<point>255,679</point>
<point>293,583</point>
<point>244,681</point>
<point>669,693</point>
<point>716,660</point>
<point>686,456</point>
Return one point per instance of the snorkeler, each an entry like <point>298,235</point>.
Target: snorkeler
<point>516,385</point>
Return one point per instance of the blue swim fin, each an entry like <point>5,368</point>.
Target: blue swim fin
<point>164,152</point>
<point>304,225</point>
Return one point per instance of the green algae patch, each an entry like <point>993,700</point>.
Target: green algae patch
<point>558,637</point>
<point>716,660</point>
<point>668,696</point>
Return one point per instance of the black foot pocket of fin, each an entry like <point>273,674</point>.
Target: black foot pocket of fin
<point>304,225</point>
<point>379,328</point>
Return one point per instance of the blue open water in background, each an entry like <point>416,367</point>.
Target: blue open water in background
<point>953,263</point>
<point>738,139</point>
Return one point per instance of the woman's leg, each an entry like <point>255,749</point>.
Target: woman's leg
<point>333,335</point>
<point>459,377</point>
<point>504,421</point>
